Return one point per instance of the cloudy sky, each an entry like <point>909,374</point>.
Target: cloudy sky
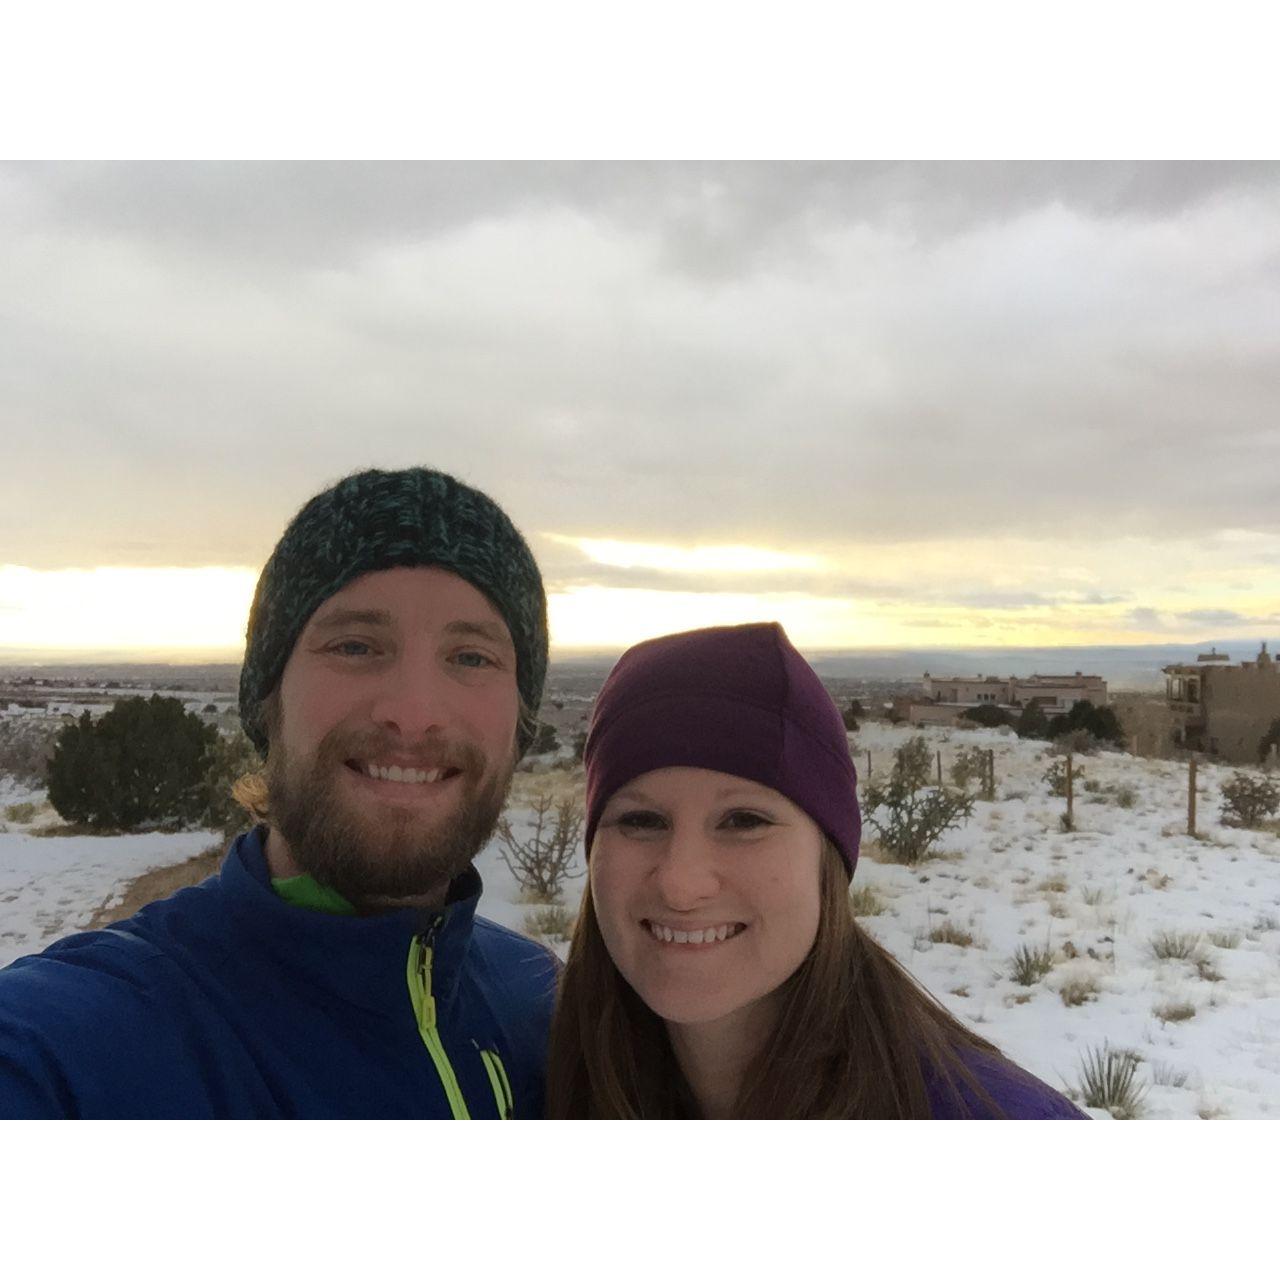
<point>890,405</point>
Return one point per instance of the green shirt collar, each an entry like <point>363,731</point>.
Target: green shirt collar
<point>303,891</point>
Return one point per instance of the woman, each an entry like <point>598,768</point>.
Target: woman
<point>716,969</point>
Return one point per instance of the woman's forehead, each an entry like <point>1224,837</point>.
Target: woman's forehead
<point>693,784</point>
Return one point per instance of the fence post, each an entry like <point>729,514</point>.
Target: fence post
<point>868,766</point>
<point>991,774</point>
<point>1071,819</point>
<point>1191,796</point>
<point>939,766</point>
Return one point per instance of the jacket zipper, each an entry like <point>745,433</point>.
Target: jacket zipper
<point>424,1008</point>
<point>498,1082</point>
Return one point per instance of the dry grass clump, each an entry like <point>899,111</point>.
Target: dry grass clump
<point>1227,939</point>
<point>951,933</point>
<point>1078,991</point>
<point>1030,964</point>
<point>1175,1011</point>
<point>1173,944</point>
<point>554,922</point>
<point>866,901</point>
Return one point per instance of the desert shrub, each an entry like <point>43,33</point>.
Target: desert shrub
<point>1175,1011</point>
<point>1248,799</point>
<point>1124,797</point>
<point>913,763</point>
<point>1030,964</point>
<point>1206,970</point>
<point>1227,939</point>
<point>1078,991</point>
<point>1055,777</point>
<point>544,740</point>
<point>1109,1081</point>
<point>1079,742</point>
<point>1032,722</point>
<point>542,862</point>
<point>852,716</point>
<point>1169,1077</point>
<point>554,922</point>
<point>1171,944</point>
<point>143,764</point>
<point>990,717</point>
<point>910,819</point>
<point>579,745</point>
<point>865,901</point>
<point>970,766</point>
<point>1100,723</point>
<point>24,811</point>
<point>26,746</point>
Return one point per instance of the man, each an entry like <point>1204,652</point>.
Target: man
<point>334,967</point>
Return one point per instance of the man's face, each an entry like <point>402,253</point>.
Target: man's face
<point>394,743</point>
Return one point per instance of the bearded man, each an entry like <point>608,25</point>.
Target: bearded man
<point>335,966</point>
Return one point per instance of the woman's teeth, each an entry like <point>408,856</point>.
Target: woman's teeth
<point>719,934</point>
<point>394,773</point>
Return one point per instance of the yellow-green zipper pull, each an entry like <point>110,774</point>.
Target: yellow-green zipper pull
<point>421,954</point>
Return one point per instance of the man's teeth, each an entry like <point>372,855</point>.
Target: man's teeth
<point>719,934</point>
<point>394,773</point>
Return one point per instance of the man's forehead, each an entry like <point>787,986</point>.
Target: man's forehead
<point>419,594</point>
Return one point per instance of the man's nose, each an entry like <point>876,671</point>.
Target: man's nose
<point>412,701</point>
<point>686,873</point>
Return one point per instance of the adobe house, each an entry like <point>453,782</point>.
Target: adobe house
<point>1220,709</point>
<point>944,698</point>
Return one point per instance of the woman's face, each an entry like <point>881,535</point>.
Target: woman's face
<point>706,890</point>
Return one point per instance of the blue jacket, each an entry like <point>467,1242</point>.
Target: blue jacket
<point>225,1001</point>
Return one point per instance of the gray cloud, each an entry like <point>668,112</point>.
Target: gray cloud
<point>764,353</point>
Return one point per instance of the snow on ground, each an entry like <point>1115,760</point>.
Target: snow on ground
<point>51,885</point>
<point>1206,1028</point>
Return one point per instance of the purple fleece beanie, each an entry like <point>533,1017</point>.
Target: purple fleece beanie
<point>738,700</point>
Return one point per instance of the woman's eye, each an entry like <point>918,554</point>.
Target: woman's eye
<point>475,660</point>
<point>745,820</point>
<point>639,820</point>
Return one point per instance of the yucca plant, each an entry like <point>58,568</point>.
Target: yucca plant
<point>1030,964</point>
<point>1109,1081</point>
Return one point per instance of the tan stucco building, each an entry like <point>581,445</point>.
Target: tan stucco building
<point>1220,709</point>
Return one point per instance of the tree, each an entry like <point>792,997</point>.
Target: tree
<point>144,763</point>
<point>544,740</point>
<point>1032,723</point>
<point>230,758</point>
<point>988,716</point>
<point>1248,800</point>
<point>852,715</point>
<point>1101,722</point>
<point>1268,740</point>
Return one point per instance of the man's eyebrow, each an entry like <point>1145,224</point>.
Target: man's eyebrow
<point>494,632</point>
<point>339,618</point>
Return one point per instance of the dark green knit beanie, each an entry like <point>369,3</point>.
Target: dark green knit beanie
<point>384,520</point>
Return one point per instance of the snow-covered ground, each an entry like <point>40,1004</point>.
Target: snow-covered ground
<point>1206,1029</point>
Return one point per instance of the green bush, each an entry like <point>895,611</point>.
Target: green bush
<point>1032,723</point>
<point>1248,799</point>
<point>970,766</point>
<point>143,764</point>
<point>988,716</point>
<point>544,740</point>
<point>1055,776</point>
<point>1099,722</point>
<point>231,756</point>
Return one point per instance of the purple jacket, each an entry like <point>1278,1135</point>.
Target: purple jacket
<point>1018,1094</point>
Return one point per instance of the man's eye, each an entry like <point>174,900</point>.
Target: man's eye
<point>470,658</point>
<point>745,820</point>
<point>350,648</point>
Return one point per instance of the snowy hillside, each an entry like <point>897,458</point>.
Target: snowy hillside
<point>1096,903</point>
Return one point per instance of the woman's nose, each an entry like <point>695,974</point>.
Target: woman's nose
<point>686,874</point>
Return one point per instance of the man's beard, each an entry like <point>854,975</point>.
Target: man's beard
<point>380,855</point>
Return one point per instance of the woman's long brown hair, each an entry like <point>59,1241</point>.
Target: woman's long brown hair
<point>857,1037</point>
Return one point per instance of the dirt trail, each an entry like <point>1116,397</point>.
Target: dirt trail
<point>160,883</point>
